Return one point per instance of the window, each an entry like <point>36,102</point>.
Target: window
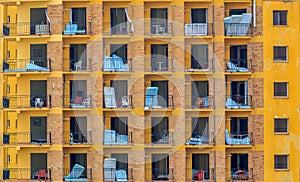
<point>280,125</point>
<point>8,159</point>
<point>280,53</point>
<point>280,89</point>
<point>281,162</point>
<point>279,17</point>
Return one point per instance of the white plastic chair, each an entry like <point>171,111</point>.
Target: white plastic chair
<point>124,101</point>
<point>86,102</point>
<point>78,65</point>
<point>39,102</point>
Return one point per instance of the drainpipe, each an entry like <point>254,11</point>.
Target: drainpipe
<point>254,13</point>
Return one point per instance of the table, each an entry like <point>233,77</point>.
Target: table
<point>159,65</point>
<point>156,28</point>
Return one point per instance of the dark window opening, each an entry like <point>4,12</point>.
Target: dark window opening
<point>78,130</point>
<point>280,89</point>
<point>160,130</point>
<point>238,55</point>
<point>200,163</point>
<point>159,20</point>
<point>163,99</point>
<point>159,57</point>
<point>199,15</point>
<point>160,167</point>
<point>279,17</point>
<point>199,57</point>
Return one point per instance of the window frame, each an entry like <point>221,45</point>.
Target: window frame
<point>286,17</point>
<point>287,90</point>
<point>287,162</point>
<point>287,126</point>
<point>286,54</point>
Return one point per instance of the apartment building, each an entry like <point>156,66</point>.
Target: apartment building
<point>146,90</point>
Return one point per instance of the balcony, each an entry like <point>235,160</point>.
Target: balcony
<point>198,29</point>
<point>73,28</point>
<point>239,102</point>
<point>27,138</point>
<point>77,65</point>
<point>239,65</point>
<point>193,102</point>
<point>124,28</point>
<point>239,138</point>
<point>159,174</point>
<point>26,174</point>
<point>78,174</point>
<point>159,29</point>
<point>158,102</point>
<point>111,174</point>
<point>26,65</point>
<point>26,101</point>
<point>197,65</point>
<point>159,138</point>
<point>238,174</point>
<point>197,139</point>
<point>159,65</point>
<point>25,29</point>
<point>78,102</point>
<point>77,137</point>
<point>111,137</point>
<point>199,174</point>
<point>110,101</point>
<point>116,64</point>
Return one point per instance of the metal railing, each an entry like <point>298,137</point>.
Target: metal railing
<point>198,29</point>
<point>124,28</point>
<point>111,64</point>
<point>240,138</point>
<point>161,28</point>
<point>199,65</point>
<point>159,64</point>
<point>239,102</point>
<point>25,28</point>
<point>112,174</point>
<point>157,138</point>
<point>77,137</point>
<point>158,102</point>
<point>238,29</point>
<point>77,65</point>
<point>27,101</point>
<point>27,138</point>
<point>77,101</point>
<point>197,138</point>
<point>199,174</point>
<point>26,174</point>
<point>74,28</point>
<point>195,102</point>
<point>27,65</point>
<point>159,174</point>
<point>238,65</point>
<point>87,174</point>
<point>116,102</point>
<point>239,174</point>
<point>113,138</point>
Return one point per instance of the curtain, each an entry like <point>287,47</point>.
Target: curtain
<point>129,20</point>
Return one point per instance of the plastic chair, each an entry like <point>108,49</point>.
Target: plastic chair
<point>42,174</point>
<point>39,102</point>
<point>86,102</point>
<point>124,101</point>
<point>77,65</point>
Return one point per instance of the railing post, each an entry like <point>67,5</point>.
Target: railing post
<point>90,64</point>
<point>50,101</point>
<point>50,137</point>
<point>50,174</point>
<point>50,66</point>
<point>91,173</point>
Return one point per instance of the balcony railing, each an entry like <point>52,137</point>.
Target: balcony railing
<point>239,174</point>
<point>77,102</point>
<point>239,102</point>
<point>26,174</point>
<point>197,138</point>
<point>159,65</point>
<point>77,65</point>
<point>160,29</point>
<point>199,174</point>
<point>238,29</point>
<point>113,64</point>
<point>239,138</point>
<point>76,174</point>
<point>124,28</point>
<point>115,102</point>
<point>159,174</point>
<point>158,102</point>
<point>112,174</point>
<point>27,65</point>
<point>199,65</point>
<point>198,29</point>
<point>157,138</point>
<point>239,65</point>
<point>25,28</point>
<point>74,28</point>
<point>27,101</point>
<point>111,137</point>
<point>77,137</point>
<point>27,138</point>
<point>195,102</point>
